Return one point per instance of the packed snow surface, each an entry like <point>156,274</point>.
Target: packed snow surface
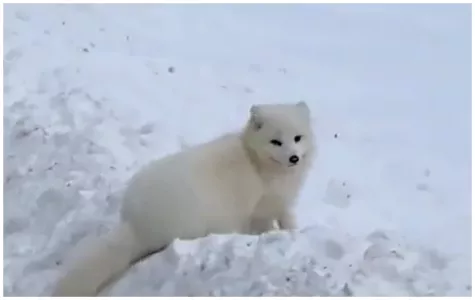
<point>92,92</point>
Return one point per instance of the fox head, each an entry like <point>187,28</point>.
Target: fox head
<point>280,135</point>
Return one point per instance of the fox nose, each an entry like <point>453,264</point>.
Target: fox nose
<point>294,159</point>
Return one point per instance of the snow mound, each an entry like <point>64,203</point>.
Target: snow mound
<point>313,262</point>
<point>55,193</point>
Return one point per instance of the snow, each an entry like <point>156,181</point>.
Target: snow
<point>92,92</point>
<point>317,261</point>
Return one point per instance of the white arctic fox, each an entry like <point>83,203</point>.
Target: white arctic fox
<point>240,182</point>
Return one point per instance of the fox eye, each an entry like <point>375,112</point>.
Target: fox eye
<point>276,143</point>
<point>297,138</point>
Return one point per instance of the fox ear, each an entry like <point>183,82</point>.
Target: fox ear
<point>256,117</point>
<point>302,105</point>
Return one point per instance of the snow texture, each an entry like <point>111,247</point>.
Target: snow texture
<point>92,92</point>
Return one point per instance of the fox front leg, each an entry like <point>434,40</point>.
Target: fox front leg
<point>287,221</point>
<point>261,225</point>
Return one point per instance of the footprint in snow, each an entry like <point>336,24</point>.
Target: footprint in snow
<point>338,193</point>
<point>13,55</point>
<point>147,128</point>
<point>424,186</point>
<point>21,15</point>
<point>51,206</point>
<point>334,249</point>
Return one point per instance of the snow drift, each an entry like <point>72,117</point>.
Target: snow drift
<point>312,262</point>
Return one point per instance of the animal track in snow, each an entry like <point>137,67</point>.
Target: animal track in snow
<point>13,54</point>
<point>21,15</point>
<point>338,193</point>
<point>424,186</point>
<point>334,249</point>
<point>147,128</point>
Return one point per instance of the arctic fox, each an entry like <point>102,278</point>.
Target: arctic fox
<point>239,183</point>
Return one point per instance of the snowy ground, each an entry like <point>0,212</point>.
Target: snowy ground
<point>91,92</point>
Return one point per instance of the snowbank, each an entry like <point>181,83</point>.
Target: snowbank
<point>313,262</point>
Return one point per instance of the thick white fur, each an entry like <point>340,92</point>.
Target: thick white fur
<point>239,182</point>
